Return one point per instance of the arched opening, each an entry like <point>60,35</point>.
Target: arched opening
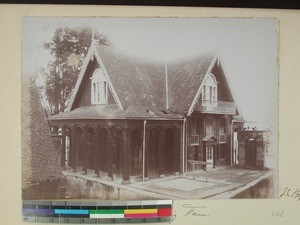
<point>103,156</point>
<point>209,91</point>
<point>79,147</point>
<point>90,148</point>
<point>169,151</point>
<point>99,88</point>
<point>136,152</point>
<point>153,157</point>
<point>117,152</point>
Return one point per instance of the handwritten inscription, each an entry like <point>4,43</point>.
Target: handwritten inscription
<point>194,210</point>
<point>190,211</point>
<point>290,193</point>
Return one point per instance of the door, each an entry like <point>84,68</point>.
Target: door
<point>209,156</point>
<point>250,153</point>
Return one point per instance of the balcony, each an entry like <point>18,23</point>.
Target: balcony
<point>217,107</point>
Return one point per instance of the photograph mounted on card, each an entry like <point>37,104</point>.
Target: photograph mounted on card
<point>149,108</point>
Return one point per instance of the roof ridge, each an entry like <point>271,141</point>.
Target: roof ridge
<point>186,58</point>
<point>132,55</point>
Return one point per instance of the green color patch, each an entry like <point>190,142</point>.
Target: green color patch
<point>107,211</point>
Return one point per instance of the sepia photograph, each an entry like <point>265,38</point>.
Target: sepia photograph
<point>149,108</point>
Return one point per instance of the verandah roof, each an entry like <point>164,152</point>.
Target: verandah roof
<point>112,112</point>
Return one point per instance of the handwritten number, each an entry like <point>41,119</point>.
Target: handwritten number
<point>276,213</point>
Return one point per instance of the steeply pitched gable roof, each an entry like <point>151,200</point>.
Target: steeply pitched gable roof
<point>138,81</point>
<point>39,158</point>
<point>185,77</point>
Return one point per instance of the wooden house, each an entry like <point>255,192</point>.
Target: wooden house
<point>131,116</point>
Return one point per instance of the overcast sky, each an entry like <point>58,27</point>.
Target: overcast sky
<point>248,47</point>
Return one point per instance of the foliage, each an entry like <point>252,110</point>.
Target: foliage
<point>68,47</point>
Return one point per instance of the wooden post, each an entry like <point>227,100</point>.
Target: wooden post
<point>144,149</point>
<point>147,141</point>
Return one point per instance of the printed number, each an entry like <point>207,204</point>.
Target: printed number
<point>277,213</point>
<point>82,220</point>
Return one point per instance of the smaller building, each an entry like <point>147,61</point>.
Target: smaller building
<point>42,176</point>
<point>252,145</point>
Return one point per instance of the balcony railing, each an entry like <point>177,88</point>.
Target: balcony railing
<point>217,107</point>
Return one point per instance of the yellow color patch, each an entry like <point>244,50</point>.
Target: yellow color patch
<point>137,211</point>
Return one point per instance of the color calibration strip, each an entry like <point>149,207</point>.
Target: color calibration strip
<point>149,211</point>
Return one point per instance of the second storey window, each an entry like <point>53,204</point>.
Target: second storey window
<point>209,91</point>
<point>98,88</point>
<point>209,125</point>
<point>222,126</point>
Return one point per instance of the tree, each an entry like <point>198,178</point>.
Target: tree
<point>68,47</point>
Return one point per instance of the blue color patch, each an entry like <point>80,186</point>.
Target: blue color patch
<point>71,211</point>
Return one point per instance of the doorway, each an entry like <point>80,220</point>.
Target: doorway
<point>209,156</point>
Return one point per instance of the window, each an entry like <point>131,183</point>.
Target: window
<point>222,126</point>
<point>209,91</point>
<point>99,88</point>
<point>209,125</point>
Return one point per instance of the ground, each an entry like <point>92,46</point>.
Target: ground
<point>217,183</point>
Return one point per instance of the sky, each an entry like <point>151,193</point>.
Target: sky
<point>248,47</point>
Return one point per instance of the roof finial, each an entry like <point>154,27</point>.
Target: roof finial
<point>93,36</point>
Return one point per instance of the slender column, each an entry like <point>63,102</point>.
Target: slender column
<point>63,148</point>
<point>126,156</point>
<point>110,152</point>
<point>84,149</point>
<point>147,152</point>
<point>161,151</point>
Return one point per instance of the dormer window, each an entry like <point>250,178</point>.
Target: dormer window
<point>99,88</point>
<point>209,91</point>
